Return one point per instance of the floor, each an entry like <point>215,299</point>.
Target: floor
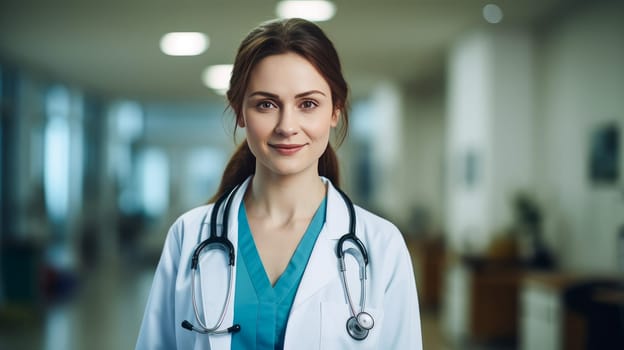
<point>90,321</point>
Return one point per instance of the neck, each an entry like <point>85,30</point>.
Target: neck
<point>284,197</point>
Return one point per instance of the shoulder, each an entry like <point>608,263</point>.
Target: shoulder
<point>378,230</point>
<point>187,226</point>
<point>375,224</point>
<point>195,215</point>
<point>380,233</point>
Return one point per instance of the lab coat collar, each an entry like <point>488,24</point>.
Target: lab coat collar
<point>322,267</point>
<point>337,212</point>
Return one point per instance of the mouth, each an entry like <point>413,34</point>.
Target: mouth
<point>287,149</point>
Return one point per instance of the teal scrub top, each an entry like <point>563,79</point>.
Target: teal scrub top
<point>261,309</point>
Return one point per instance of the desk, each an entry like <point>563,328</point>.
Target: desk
<point>481,302</point>
<point>549,323</point>
<point>428,257</point>
<point>609,297</point>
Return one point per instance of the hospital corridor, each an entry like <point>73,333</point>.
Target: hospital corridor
<point>490,133</point>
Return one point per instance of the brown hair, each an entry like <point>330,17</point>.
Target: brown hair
<point>273,38</point>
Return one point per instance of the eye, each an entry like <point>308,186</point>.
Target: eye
<point>265,105</point>
<point>308,104</point>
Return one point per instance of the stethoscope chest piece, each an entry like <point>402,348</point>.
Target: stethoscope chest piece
<point>358,327</point>
<point>365,320</point>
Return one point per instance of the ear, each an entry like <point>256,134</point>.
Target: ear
<point>335,118</point>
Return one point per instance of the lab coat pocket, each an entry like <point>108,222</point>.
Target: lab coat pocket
<point>334,333</point>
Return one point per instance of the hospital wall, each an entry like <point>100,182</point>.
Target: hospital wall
<point>532,96</point>
<point>488,148</point>
<point>582,80</point>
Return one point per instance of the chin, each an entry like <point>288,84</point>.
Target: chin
<point>288,170</point>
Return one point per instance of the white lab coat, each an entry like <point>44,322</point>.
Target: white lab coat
<point>320,310</point>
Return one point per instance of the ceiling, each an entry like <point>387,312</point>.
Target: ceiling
<point>111,48</point>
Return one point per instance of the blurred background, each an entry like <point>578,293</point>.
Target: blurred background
<point>490,132</point>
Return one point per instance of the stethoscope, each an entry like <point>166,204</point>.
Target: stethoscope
<point>360,322</point>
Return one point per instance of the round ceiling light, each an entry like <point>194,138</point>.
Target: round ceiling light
<point>184,43</point>
<point>217,77</point>
<point>492,13</point>
<point>312,10</point>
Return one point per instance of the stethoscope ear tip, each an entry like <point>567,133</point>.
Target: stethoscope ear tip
<point>234,329</point>
<point>187,325</point>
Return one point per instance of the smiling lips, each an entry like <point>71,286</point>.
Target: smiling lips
<point>286,149</point>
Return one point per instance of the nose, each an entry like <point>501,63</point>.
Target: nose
<point>287,124</point>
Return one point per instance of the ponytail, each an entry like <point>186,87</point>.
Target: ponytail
<point>243,164</point>
<point>328,166</point>
<point>240,167</point>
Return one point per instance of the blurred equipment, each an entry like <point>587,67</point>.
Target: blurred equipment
<point>528,217</point>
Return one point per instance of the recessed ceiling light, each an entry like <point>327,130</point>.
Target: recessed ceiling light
<point>184,43</point>
<point>312,10</point>
<point>492,13</point>
<point>217,77</point>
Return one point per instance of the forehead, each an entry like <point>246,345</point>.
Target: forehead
<point>285,75</point>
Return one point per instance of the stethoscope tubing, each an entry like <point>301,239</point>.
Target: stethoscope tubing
<point>224,243</point>
<point>348,291</point>
<point>212,330</point>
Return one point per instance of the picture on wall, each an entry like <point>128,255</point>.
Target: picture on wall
<point>604,154</point>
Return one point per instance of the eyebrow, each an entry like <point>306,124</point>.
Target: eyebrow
<point>274,96</point>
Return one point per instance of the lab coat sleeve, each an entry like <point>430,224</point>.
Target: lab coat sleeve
<point>401,329</point>
<point>158,328</point>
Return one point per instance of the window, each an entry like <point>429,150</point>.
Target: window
<point>56,153</point>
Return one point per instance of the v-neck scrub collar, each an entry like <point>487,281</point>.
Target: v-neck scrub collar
<point>261,309</point>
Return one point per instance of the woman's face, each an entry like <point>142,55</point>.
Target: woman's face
<point>288,115</point>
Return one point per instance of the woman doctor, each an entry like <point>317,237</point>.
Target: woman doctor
<point>286,288</point>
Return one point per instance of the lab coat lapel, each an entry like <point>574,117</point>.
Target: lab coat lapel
<point>322,267</point>
<point>213,274</point>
